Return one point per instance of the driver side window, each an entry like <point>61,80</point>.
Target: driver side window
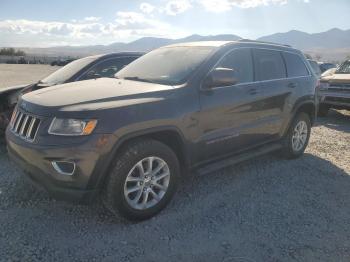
<point>239,60</point>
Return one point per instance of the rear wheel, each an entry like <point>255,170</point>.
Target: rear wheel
<point>143,180</point>
<point>298,135</point>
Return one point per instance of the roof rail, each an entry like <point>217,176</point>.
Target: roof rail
<point>261,42</point>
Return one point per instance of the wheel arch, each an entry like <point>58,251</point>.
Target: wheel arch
<point>169,135</point>
<point>308,107</point>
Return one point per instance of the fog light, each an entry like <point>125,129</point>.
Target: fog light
<point>64,167</point>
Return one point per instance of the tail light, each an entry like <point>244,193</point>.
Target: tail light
<point>323,85</point>
<point>318,84</point>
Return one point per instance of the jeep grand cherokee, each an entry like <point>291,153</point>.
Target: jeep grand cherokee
<point>188,106</point>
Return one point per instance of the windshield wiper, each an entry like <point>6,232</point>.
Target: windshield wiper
<point>136,78</point>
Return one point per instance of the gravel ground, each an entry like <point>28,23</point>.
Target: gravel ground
<point>266,209</point>
<point>11,75</point>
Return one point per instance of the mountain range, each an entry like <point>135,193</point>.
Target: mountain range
<point>334,43</point>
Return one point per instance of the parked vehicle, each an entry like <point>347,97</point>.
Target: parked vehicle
<point>82,69</point>
<point>187,106</point>
<point>326,66</point>
<point>335,90</point>
<point>315,67</point>
<point>329,72</point>
<point>62,62</point>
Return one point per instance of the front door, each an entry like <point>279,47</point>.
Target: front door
<point>230,116</point>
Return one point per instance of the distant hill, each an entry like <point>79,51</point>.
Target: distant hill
<point>142,44</point>
<point>334,38</point>
<point>333,44</point>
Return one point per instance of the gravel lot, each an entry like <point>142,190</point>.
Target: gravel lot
<point>266,209</point>
<point>11,75</point>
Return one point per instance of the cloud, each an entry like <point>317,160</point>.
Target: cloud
<point>173,7</point>
<point>127,26</point>
<point>218,6</point>
<point>92,19</point>
<point>147,8</point>
<point>177,7</point>
<point>138,24</point>
<point>36,27</point>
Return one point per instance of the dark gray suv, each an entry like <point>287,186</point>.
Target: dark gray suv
<point>188,106</point>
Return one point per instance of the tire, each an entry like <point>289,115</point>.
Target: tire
<point>129,164</point>
<point>323,111</point>
<point>290,150</point>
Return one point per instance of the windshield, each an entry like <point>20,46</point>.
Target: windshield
<point>344,68</point>
<point>168,66</point>
<point>66,72</point>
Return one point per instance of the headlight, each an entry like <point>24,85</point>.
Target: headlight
<point>71,127</point>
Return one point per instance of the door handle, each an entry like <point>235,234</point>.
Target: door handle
<point>292,85</point>
<point>252,91</point>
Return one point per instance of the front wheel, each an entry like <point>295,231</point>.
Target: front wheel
<point>297,138</point>
<point>143,180</point>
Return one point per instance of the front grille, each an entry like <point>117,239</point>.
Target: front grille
<point>24,125</point>
<point>339,87</point>
<point>338,99</point>
<point>346,85</point>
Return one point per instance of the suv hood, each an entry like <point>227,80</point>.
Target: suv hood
<point>96,94</point>
<point>12,88</point>
<point>338,79</point>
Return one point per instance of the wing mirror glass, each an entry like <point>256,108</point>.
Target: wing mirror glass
<point>221,77</point>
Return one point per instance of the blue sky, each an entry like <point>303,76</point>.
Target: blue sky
<point>85,22</point>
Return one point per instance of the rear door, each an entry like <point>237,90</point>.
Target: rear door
<point>271,71</point>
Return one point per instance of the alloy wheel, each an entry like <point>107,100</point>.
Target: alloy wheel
<point>299,137</point>
<point>146,183</point>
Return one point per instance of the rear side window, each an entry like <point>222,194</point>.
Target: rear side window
<point>240,60</point>
<point>315,67</point>
<point>268,65</point>
<point>295,65</point>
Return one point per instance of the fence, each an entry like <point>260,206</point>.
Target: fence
<point>29,59</point>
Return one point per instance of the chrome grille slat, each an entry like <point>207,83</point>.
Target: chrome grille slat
<point>30,128</point>
<point>25,125</point>
<point>35,128</point>
<point>18,122</point>
<point>14,117</point>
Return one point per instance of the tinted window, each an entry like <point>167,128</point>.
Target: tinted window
<point>241,62</point>
<point>167,65</point>
<point>268,65</point>
<point>107,68</point>
<point>66,72</point>
<point>315,67</point>
<point>295,66</point>
<point>325,66</point>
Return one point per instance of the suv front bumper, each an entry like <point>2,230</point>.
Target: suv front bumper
<point>36,161</point>
<point>336,99</point>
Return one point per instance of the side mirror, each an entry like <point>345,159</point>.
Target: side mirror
<point>221,77</point>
